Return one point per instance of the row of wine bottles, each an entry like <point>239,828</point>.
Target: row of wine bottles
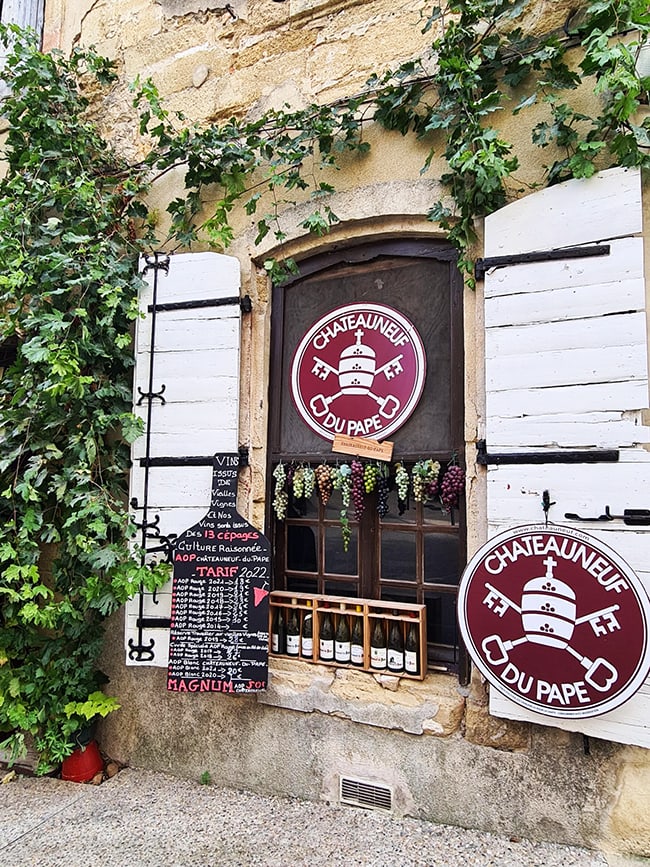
<point>394,644</point>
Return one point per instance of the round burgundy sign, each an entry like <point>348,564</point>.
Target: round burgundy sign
<point>359,371</point>
<point>556,621</point>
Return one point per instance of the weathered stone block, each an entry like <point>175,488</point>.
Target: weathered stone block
<point>489,731</point>
<point>628,828</point>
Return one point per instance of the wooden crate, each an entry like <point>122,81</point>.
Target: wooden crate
<point>371,610</point>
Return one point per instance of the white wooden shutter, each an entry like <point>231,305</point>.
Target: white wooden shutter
<point>196,359</point>
<point>25,13</point>
<point>566,369</point>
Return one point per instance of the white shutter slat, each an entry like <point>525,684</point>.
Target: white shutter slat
<point>577,398</point>
<point>589,430</point>
<point>595,209</point>
<point>196,358</point>
<point>535,292</point>
<point>614,270</point>
<point>566,367</point>
<point>596,332</point>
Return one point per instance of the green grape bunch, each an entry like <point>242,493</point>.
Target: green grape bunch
<point>309,481</point>
<point>370,477</point>
<point>299,483</point>
<point>280,498</point>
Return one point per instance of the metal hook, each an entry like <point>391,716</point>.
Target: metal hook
<point>546,504</point>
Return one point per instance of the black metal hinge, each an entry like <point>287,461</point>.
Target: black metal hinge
<point>483,265</point>
<point>190,460</point>
<point>245,304</point>
<point>562,456</point>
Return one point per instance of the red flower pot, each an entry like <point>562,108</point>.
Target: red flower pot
<point>83,764</point>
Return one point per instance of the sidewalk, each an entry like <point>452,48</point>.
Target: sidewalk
<point>146,819</point>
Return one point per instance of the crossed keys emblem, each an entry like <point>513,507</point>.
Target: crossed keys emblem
<point>356,374</point>
<point>548,614</point>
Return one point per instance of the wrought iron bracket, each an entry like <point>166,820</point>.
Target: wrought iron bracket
<point>563,456</point>
<point>141,652</point>
<point>483,265</point>
<point>158,261</point>
<point>190,460</point>
<point>243,302</point>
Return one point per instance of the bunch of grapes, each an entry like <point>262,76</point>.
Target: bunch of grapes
<point>402,484</point>
<point>280,498</point>
<point>299,483</point>
<point>425,479</point>
<point>358,487</point>
<point>431,488</point>
<point>382,495</point>
<point>309,481</point>
<point>417,482</point>
<point>323,475</point>
<point>451,487</point>
<point>342,481</point>
<point>370,476</point>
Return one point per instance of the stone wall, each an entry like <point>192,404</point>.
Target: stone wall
<point>433,743</point>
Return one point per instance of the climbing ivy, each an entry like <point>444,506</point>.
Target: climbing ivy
<point>73,220</point>
<point>69,215</point>
<point>486,67</point>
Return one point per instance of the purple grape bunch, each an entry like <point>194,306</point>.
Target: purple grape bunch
<point>451,487</point>
<point>358,488</point>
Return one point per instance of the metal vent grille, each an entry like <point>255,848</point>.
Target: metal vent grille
<point>358,793</point>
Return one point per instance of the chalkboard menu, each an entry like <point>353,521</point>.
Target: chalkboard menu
<point>220,608</point>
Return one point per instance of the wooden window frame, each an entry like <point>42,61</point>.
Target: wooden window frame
<point>369,547</point>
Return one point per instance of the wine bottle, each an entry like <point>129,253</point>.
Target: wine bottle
<point>378,646</point>
<point>307,638</point>
<point>412,650</point>
<point>395,650</point>
<point>356,640</point>
<point>293,630</point>
<point>278,635</point>
<point>326,638</point>
<point>342,638</point>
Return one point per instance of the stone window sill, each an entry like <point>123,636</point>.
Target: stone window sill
<point>433,706</point>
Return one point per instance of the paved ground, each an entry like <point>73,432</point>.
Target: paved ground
<point>143,819</point>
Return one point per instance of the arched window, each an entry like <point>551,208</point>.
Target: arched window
<point>414,553</point>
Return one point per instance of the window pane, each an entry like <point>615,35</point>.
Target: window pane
<point>302,585</point>
<point>432,513</point>
<point>338,561</point>
<point>342,588</point>
<point>441,619</point>
<point>302,508</point>
<point>334,506</point>
<point>398,556</point>
<point>395,515</point>
<point>441,558</point>
<point>301,549</point>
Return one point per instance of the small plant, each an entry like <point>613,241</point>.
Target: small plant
<point>205,779</point>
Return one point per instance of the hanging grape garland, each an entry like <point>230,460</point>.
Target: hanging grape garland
<point>427,482</point>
